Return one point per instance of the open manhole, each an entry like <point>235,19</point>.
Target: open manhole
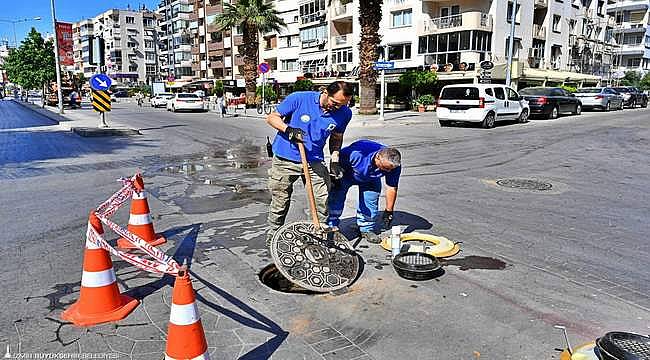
<point>273,278</point>
<point>525,184</point>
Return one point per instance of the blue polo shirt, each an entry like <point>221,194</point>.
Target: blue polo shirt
<point>303,110</point>
<point>359,167</point>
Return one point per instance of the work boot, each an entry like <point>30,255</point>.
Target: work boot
<point>371,237</point>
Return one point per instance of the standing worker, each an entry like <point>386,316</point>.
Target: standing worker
<point>364,163</point>
<point>309,117</point>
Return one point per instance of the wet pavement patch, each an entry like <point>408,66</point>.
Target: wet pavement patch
<point>99,132</point>
<point>525,184</point>
<point>271,277</point>
<point>475,263</point>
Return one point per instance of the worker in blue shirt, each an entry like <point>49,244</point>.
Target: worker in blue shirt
<point>310,117</point>
<point>364,163</point>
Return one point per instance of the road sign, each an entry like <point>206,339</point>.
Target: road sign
<point>382,65</point>
<point>101,101</point>
<point>264,67</point>
<point>100,82</point>
<point>486,65</point>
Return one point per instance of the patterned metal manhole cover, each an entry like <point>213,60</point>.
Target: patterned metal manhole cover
<point>525,184</point>
<point>311,261</point>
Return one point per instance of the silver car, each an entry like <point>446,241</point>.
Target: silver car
<point>604,98</point>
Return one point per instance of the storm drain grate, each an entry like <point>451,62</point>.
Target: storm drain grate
<point>525,184</point>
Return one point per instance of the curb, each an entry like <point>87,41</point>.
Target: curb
<point>42,111</point>
<point>99,132</point>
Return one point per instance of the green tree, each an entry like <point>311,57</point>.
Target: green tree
<point>631,78</point>
<point>644,84</point>
<point>32,64</point>
<point>422,81</point>
<point>253,17</point>
<point>303,85</point>
<point>369,19</point>
<point>269,93</point>
<point>218,88</point>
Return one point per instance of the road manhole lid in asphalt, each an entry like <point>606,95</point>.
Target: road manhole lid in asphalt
<point>525,184</point>
<point>311,262</point>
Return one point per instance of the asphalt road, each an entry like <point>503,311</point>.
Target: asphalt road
<point>575,253</point>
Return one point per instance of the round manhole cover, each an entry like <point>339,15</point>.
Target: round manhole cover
<point>312,262</point>
<point>525,184</point>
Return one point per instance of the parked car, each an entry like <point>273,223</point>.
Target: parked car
<point>550,102</point>
<point>185,101</point>
<point>482,103</point>
<point>604,98</point>
<point>119,94</point>
<point>632,96</point>
<point>161,99</point>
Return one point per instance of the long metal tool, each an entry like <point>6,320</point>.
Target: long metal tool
<point>308,186</point>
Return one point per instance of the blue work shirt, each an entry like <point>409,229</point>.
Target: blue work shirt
<point>357,161</point>
<point>304,112</point>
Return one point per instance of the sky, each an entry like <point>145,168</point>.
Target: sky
<point>66,11</point>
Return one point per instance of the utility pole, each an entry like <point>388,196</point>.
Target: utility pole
<point>382,87</point>
<point>56,58</point>
<point>511,42</point>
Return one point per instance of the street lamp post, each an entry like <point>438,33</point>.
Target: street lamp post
<point>14,22</point>
<point>59,91</point>
<point>511,42</point>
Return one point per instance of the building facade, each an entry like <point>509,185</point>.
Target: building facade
<point>175,40</point>
<point>631,31</point>
<point>130,45</point>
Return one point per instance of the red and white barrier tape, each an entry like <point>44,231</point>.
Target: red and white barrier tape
<point>162,264</point>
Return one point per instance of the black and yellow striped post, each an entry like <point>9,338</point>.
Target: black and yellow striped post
<point>101,101</point>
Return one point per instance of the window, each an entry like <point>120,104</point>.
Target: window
<point>342,56</point>
<point>634,62</point>
<point>312,11</point>
<point>289,41</point>
<point>515,48</point>
<point>517,13</point>
<point>132,44</point>
<point>498,92</point>
<point>489,92</point>
<point>512,95</point>
<point>133,67</point>
<point>460,93</point>
<point>401,18</point>
<point>289,65</point>
<point>148,22</point>
<point>458,41</point>
<point>130,20</point>
<point>556,23</point>
<point>148,44</point>
<point>399,52</point>
<point>313,36</point>
<point>150,56</point>
<point>151,70</point>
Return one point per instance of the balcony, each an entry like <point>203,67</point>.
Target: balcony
<point>214,46</point>
<point>541,4</point>
<point>342,12</point>
<point>313,42</point>
<point>216,64</point>
<point>539,32</point>
<point>239,61</point>
<point>312,18</point>
<point>196,67</point>
<point>633,49</point>
<point>214,9</point>
<point>239,40</point>
<point>472,20</point>
<point>628,5</point>
<point>342,40</point>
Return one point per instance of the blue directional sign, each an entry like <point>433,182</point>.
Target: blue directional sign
<point>382,65</point>
<point>100,82</point>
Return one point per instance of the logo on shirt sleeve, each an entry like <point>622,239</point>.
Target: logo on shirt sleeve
<point>305,118</point>
<point>331,127</point>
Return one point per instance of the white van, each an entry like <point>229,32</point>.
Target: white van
<point>483,103</point>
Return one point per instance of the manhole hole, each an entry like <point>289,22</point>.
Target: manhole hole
<point>273,278</point>
<point>525,184</point>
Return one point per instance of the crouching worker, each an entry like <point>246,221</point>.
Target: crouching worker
<point>364,163</point>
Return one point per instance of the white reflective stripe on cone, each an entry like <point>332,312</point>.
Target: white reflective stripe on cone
<point>97,278</point>
<point>205,356</point>
<point>143,219</point>
<point>186,314</point>
<point>91,246</point>
<point>139,195</point>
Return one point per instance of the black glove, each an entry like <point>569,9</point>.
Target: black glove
<point>336,171</point>
<point>295,135</point>
<point>387,219</point>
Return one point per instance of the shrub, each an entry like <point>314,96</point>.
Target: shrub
<point>569,88</point>
<point>303,85</point>
<point>426,99</point>
<point>269,94</point>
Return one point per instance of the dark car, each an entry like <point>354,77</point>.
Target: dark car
<point>550,102</point>
<point>632,96</point>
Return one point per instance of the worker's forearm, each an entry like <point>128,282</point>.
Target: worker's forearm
<point>275,120</point>
<point>391,197</point>
<point>336,141</point>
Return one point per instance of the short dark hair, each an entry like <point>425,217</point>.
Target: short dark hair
<point>392,155</point>
<point>337,86</point>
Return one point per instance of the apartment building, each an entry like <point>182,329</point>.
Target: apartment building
<point>631,31</point>
<point>130,50</point>
<point>175,40</point>
<point>4,53</point>
<point>214,53</point>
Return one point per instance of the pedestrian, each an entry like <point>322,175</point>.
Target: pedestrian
<point>140,98</point>
<point>221,104</point>
<point>73,99</point>
<point>364,163</point>
<point>310,117</point>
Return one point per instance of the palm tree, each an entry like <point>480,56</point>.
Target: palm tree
<point>254,17</point>
<point>369,19</point>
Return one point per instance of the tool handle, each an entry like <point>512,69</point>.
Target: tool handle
<point>308,186</point>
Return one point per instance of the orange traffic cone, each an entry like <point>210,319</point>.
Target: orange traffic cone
<point>100,300</point>
<point>140,219</point>
<point>185,336</point>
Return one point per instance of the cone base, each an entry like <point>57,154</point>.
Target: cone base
<point>73,315</point>
<point>123,243</point>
